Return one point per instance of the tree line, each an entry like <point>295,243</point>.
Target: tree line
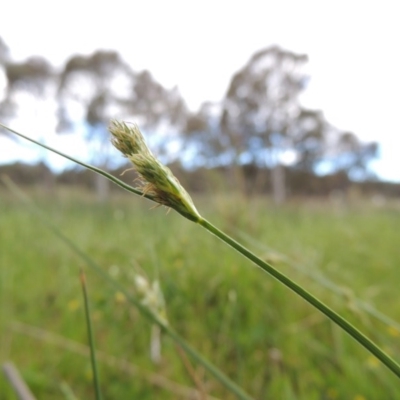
<point>259,134</point>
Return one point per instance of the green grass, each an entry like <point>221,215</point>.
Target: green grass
<point>258,332</point>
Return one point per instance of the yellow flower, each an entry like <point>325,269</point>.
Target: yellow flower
<point>393,331</point>
<point>372,362</point>
<point>73,305</point>
<point>120,298</point>
<point>332,393</point>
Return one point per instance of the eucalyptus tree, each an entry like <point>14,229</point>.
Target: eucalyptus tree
<point>161,113</point>
<point>29,95</point>
<point>4,58</point>
<point>260,110</point>
<point>29,84</point>
<point>92,89</point>
<point>4,52</point>
<point>202,137</point>
<point>351,155</point>
<point>96,88</point>
<point>309,139</point>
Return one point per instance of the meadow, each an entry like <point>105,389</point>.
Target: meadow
<point>263,336</point>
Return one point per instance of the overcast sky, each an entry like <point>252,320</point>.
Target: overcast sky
<point>353,49</point>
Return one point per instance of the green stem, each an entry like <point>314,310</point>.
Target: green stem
<point>327,283</point>
<point>96,381</point>
<point>88,166</point>
<point>343,323</point>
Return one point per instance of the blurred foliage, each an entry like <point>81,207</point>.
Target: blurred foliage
<point>210,180</point>
<point>253,328</point>
<point>254,128</point>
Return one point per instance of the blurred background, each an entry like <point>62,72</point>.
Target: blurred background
<point>280,118</point>
<point>286,98</point>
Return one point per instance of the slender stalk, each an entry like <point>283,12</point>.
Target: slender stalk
<point>307,296</point>
<point>96,381</point>
<point>327,283</point>
<point>88,166</point>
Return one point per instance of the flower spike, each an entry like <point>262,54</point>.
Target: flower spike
<point>155,179</point>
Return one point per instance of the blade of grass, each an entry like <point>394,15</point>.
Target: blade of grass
<point>88,166</point>
<point>96,381</point>
<point>322,280</point>
<point>335,317</point>
<point>192,373</point>
<point>67,391</point>
<point>212,369</point>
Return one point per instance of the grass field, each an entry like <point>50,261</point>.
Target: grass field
<point>264,337</point>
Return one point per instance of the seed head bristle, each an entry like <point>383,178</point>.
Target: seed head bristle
<point>155,179</point>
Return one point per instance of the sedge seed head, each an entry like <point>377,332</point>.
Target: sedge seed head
<point>151,296</point>
<point>156,180</point>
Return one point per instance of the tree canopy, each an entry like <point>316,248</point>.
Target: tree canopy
<point>260,122</point>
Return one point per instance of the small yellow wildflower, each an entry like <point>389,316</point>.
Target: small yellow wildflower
<point>120,298</point>
<point>73,305</point>
<point>332,393</point>
<point>372,362</point>
<point>393,331</point>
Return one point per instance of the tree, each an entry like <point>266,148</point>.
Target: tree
<point>202,137</point>
<point>4,59</point>
<point>352,156</point>
<point>32,80</point>
<point>4,52</point>
<point>161,112</point>
<point>260,110</point>
<point>92,89</point>
<point>30,88</point>
<point>308,136</point>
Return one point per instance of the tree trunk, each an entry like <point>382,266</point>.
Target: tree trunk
<point>278,184</point>
<point>102,188</point>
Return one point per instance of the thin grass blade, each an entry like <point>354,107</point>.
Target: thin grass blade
<point>96,381</point>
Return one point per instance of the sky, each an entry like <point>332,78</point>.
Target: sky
<point>354,61</point>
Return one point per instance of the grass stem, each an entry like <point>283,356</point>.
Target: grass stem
<point>307,296</point>
<point>96,381</point>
